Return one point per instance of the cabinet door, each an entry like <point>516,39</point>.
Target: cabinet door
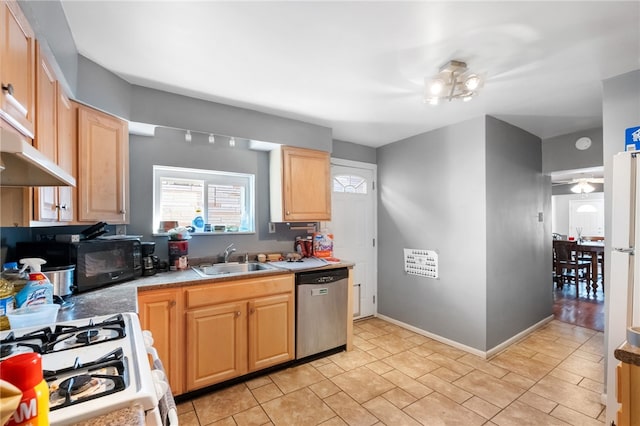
<point>216,344</point>
<point>46,198</point>
<point>306,184</point>
<point>103,162</point>
<point>67,153</point>
<point>17,59</point>
<point>271,331</point>
<point>160,312</point>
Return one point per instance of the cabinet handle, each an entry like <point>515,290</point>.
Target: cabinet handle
<point>238,313</point>
<point>8,88</point>
<point>172,303</point>
<point>288,213</point>
<point>122,211</point>
<point>252,310</point>
<point>62,207</point>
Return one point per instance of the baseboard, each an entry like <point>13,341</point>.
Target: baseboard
<point>433,336</point>
<point>524,333</point>
<point>488,354</point>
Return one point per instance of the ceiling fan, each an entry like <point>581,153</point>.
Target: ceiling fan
<point>581,185</point>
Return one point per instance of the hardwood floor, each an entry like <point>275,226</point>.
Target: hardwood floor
<point>583,310</point>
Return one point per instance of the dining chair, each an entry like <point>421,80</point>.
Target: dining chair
<point>568,266</point>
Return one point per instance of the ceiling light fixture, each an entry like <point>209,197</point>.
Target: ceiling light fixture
<point>232,142</point>
<point>212,138</point>
<point>582,187</point>
<point>187,136</point>
<point>454,81</point>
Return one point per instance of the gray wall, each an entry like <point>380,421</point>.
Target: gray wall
<point>621,110</point>
<point>518,245</point>
<point>103,89</point>
<point>52,30</point>
<point>168,148</point>
<point>168,109</point>
<point>472,192</point>
<point>560,153</point>
<point>432,196</point>
<point>353,152</point>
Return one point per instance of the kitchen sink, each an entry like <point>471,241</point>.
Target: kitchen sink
<point>232,268</point>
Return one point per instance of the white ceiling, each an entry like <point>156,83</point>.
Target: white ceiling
<point>358,67</point>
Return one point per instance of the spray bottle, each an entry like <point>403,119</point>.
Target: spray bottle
<point>38,289</point>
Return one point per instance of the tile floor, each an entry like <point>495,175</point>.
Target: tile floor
<point>397,377</point>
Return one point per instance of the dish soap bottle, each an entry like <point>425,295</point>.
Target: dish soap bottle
<point>198,221</point>
<point>38,289</point>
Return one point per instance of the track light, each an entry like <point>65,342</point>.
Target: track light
<point>232,142</point>
<point>187,136</point>
<point>212,138</point>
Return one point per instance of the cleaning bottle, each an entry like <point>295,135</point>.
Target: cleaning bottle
<point>198,221</point>
<point>38,289</point>
<point>323,244</point>
<point>24,371</point>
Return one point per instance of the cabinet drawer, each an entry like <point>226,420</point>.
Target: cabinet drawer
<point>221,292</point>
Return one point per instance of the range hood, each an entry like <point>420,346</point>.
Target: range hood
<point>23,165</point>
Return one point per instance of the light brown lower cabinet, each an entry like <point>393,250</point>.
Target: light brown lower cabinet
<point>628,394</point>
<point>212,332</point>
<point>160,312</point>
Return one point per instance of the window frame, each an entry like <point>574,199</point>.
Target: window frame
<point>247,180</point>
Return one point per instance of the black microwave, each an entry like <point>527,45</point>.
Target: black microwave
<point>98,262</point>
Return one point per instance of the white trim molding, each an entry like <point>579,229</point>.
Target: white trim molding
<point>488,354</point>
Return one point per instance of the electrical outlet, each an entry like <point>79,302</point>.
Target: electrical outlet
<point>272,228</point>
<point>121,229</point>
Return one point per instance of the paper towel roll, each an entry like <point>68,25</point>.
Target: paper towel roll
<point>633,336</point>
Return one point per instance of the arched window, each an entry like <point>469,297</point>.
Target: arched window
<point>349,183</point>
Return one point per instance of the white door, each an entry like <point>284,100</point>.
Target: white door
<point>586,216</point>
<point>353,226</point>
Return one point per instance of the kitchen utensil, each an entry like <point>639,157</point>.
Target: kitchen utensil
<point>62,279</point>
<point>148,261</point>
<point>94,231</point>
<point>148,247</point>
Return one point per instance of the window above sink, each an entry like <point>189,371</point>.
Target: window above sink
<point>211,201</point>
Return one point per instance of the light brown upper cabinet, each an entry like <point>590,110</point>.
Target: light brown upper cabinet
<point>17,59</point>
<point>300,181</point>
<point>45,199</point>
<point>103,167</point>
<point>67,153</point>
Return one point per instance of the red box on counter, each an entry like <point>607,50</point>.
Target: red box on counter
<point>178,248</point>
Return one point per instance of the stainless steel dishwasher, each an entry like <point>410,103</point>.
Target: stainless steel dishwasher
<point>321,311</point>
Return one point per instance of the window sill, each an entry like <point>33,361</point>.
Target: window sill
<point>207,234</point>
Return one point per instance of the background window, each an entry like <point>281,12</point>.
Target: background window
<point>349,183</point>
<point>221,198</point>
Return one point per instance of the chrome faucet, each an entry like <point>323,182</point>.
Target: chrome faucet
<point>227,252</point>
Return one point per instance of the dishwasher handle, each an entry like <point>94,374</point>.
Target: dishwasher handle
<point>322,277</point>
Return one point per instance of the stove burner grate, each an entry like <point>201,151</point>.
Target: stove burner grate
<point>34,341</point>
<point>63,337</point>
<point>72,336</point>
<point>83,382</point>
<point>87,336</point>
<point>76,384</point>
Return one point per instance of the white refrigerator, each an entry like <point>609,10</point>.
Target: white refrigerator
<point>623,260</point>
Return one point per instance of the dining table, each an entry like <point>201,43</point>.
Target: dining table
<point>595,249</point>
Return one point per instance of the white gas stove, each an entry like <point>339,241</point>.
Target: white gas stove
<point>93,366</point>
